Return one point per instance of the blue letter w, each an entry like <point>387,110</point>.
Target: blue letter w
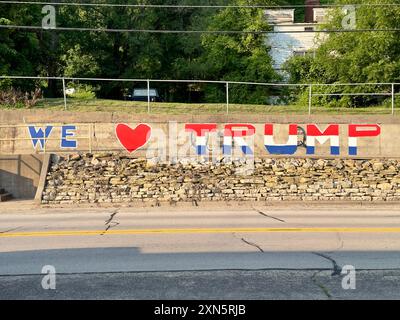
<point>39,135</point>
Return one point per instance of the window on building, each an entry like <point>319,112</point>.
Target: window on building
<point>303,53</point>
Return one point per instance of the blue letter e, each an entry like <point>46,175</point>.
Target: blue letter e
<point>65,133</point>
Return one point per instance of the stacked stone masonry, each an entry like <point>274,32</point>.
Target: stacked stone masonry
<point>105,178</point>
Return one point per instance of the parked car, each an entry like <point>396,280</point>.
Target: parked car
<point>142,95</point>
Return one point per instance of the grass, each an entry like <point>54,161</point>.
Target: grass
<point>102,105</point>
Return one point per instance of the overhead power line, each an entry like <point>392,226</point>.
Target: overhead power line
<point>194,31</point>
<point>171,6</point>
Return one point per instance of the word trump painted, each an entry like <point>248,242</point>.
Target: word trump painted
<point>238,133</point>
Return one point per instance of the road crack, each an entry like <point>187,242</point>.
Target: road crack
<point>337,270</point>
<point>10,230</point>
<point>268,216</point>
<point>320,285</point>
<point>252,244</point>
<point>249,243</point>
<point>110,223</point>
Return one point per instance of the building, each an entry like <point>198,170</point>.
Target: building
<point>294,38</point>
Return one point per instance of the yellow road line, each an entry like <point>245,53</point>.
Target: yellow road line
<point>193,231</point>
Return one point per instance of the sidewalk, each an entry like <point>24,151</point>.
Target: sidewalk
<point>32,206</point>
<point>18,205</point>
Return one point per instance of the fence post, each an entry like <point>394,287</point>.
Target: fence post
<point>65,94</point>
<point>393,96</point>
<point>227,97</point>
<point>148,96</point>
<point>310,100</point>
<point>44,142</point>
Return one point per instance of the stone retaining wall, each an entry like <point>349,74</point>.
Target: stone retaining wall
<point>105,178</point>
<point>117,178</point>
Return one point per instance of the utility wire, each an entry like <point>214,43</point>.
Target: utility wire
<point>195,31</point>
<point>170,6</point>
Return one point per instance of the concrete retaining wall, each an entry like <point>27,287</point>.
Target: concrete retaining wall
<point>170,140</point>
<point>13,117</point>
<point>367,176</point>
<point>19,175</point>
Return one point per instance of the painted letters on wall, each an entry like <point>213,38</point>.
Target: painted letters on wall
<point>242,135</point>
<point>289,148</point>
<point>40,135</point>
<point>358,131</point>
<point>200,131</point>
<point>331,133</point>
<point>67,135</point>
<point>236,133</point>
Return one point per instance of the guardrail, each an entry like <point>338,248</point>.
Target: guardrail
<point>311,87</point>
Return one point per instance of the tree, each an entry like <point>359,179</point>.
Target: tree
<point>20,52</point>
<point>238,57</point>
<point>135,55</point>
<point>354,57</point>
<point>142,55</point>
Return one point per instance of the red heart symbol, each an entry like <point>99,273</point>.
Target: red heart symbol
<point>133,139</point>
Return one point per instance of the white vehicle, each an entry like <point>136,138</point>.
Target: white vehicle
<point>70,91</point>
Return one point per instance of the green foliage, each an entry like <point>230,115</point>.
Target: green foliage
<point>354,57</point>
<point>140,55</point>
<point>79,64</point>
<point>20,52</point>
<point>239,57</point>
<point>5,84</point>
<point>82,91</point>
<point>11,98</point>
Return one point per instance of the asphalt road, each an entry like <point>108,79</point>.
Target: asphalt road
<point>240,253</point>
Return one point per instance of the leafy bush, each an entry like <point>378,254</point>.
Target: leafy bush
<point>14,98</point>
<point>353,57</point>
<point>83,91</point>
